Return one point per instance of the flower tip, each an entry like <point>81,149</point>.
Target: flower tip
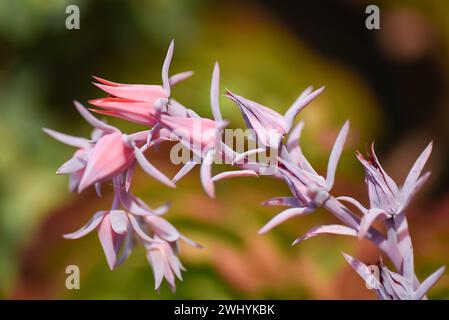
<point>321,89</point>
<point>296,242</point>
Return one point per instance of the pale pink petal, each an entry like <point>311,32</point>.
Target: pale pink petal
<point>205,173</point>
<point>71,166</point>
<point>327,229</point>
<point>282,201</point>
<point>389,181</point>
<point>90,226</point>
<point>162,228</point>
<point>419,184</point>
<point>150,169</point>
<point>335,155</point>
<point>119,221</point>
<point>294,136</point>
<point>177,78</point>
<point>98,189</point>
<point>214,93</point>
<point>303,100</point>
<point>362,270</point>
<point>92,120</point>
<point>267,123</point>
<point>354,202</point>
<point>428,283</point>
<point>189,241</point>
<point>284,216</point>
<point>184,170</point>
<point>369,218</point>
<point>416,169</point>
<point>110,241</point>
<point>247,154</point>
<point>166,67</point>
<point>129,176</point>
<point>138,229</point>
<point>234,174</point>
<point>156,259</point>
<point>75,179</point>
<point>68,139</point>
<point>162,209</point>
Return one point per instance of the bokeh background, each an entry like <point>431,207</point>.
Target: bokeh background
<point>391,83</point>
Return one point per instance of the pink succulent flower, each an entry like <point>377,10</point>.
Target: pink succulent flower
<point>162,256</point>
<point>137,102</point>
<point>129,218</point>
<point>112,155</point>
<point>308,188</point>
<point>390,285</point>
<point>270,126</point>
<point>386,198</point>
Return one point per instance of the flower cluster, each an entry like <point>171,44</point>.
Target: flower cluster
<point>110,155</point>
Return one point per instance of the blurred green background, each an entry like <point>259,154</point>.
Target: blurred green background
<point>391,83</point>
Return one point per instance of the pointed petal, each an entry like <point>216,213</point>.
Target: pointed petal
<point>303,100</point>
<point>190,242</point>
<point>162,209</point>
<point>162,228</point>
<point>166,67</point>
<point>107,82</point>
<point>205,173</point>
<point>92,120</point>
<point>428,283</point>
<point>369,218</point>
<point>248,154</point>
<point>132,204</point>
<point>327,229</point>
<point>284,216</point>
<point>282,201</point>
<point>68,139</point>
<point>137,116</point>
<point>184,170</point>
<point>90,226</point>
<point>73,165</point>
<point>157,261</point>
<point>415,171</point>
<point>119,221</point>
<point>355,203</point>
<point>362,270</point>
<point>177,78</point>
<point>110,241</point>
<point>335,155</point>
<point>138,229</point>
<point>234,174</point>
<point>129,176</point>
<point>150,169</point>
<point>98,189</point>
<point>214,93</point>
<point>294,136</point>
